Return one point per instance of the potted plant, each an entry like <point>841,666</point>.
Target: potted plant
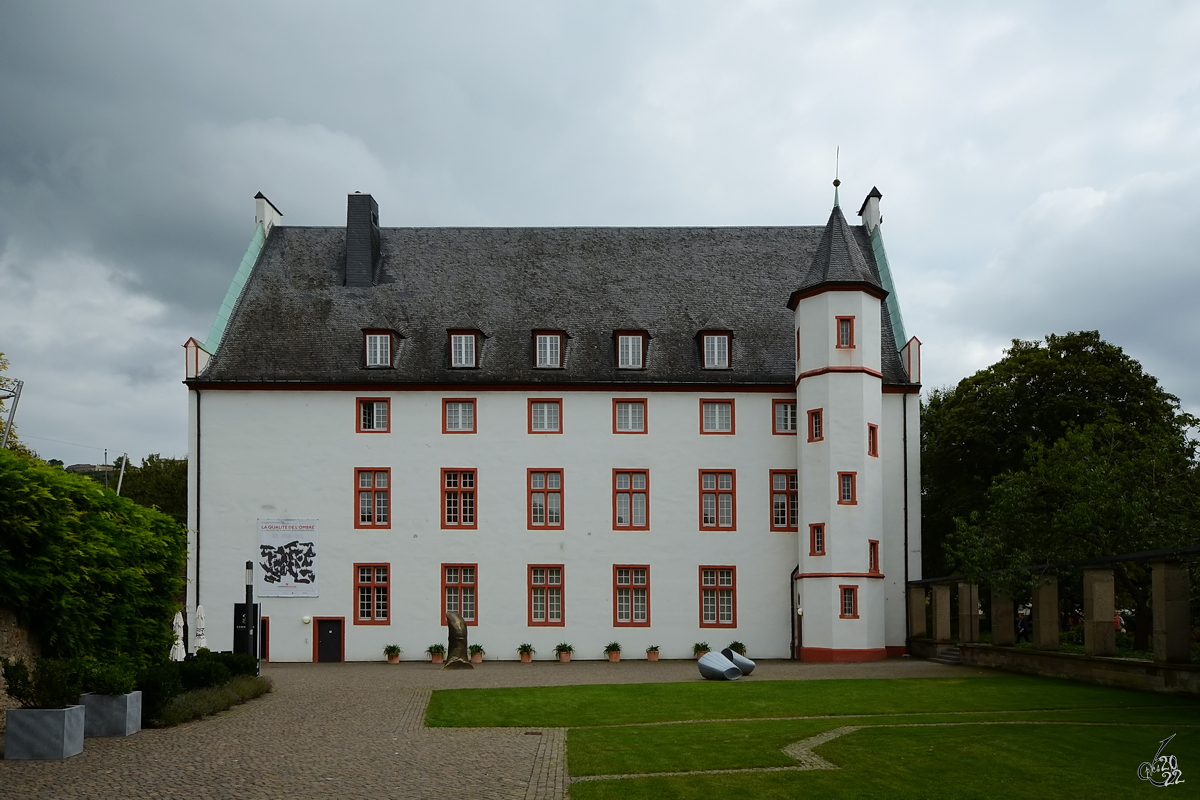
<point>699,649</point>
<point>613,651</point>
<point>526,651</point>
<point>564,651</point>
<point>652,653</point>
<point>738,648</point>
<point>477,653</point>
<point>49,724</point>
<point>436,652</point>
<point>392,651</point>
<point>111,706</point>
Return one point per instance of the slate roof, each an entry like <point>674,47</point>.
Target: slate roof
<point>840,258</point>
<point>297,322</point>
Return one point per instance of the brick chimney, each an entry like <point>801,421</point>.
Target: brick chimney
<point>362,240</point>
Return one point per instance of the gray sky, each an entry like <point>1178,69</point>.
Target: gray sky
<point>1039,161</point>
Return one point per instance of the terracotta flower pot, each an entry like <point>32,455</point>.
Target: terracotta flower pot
<point>701,654</point>
<point>476,658</point>
<point>564,658</point>
<point>436,658</point>
<point>614,655</point>
<point>526,658</point>
<point>652,655</point>
<point>393,659</point>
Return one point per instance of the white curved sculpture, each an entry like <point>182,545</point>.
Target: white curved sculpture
<point>716,667</point>
<point>739,661</point>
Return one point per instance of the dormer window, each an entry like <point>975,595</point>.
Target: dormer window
<point>630,349</point>
<point>716,350</point>
<point>548,348</point>
<point>462,349</point>
<point>377,348</point>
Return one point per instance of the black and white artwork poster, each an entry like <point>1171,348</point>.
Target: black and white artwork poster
<point>287,557</point>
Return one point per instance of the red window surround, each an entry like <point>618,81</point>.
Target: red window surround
<point>631,500</point>
<point>372,594</point>
<point>844,333</point>
<point>849,602</point>
<point>459,492</point>
<point>627,411</point>
<point>631,595</point>
<point>460,591</point>
<point>717,416</point>
<point>372,497</point>
<point>374,415</point>
<point>816,539</point>
<point>718,500</point>
<point>545,415</point>
<point>718,597</point>
<point>797,344</point>
<point>546,595</point>
<point>459,415</point>
<point>785,500</point>
<point>783,417</point>
<point>816,425</point>
<point>847,488</point>
<point>544,496</point>
<point>873,556</point>
<point>872,440</point>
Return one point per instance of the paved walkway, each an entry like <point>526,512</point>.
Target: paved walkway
<point>355,730</point>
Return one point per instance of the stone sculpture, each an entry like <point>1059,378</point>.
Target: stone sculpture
<point>457,656</point>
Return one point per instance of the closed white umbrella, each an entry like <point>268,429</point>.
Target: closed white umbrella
<point>177,651</point>
<point>201,639</point>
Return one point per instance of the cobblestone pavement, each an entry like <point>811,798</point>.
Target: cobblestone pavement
<point>355,730</point>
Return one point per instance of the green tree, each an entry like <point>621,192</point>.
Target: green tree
<point>14,443</point>
<point>158,483</point>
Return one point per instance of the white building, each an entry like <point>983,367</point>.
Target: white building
<point>657,436</point>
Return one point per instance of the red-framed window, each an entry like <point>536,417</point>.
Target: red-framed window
<point>716,346</point>
<point>460,591</point>
<point>372,497</point>
<point>847,488</point>
<point>717,417</point>
<point>849,602</point>
<point>785,500</point>
<point>797,344</point>
<point>544,492</point>
<point>458,415</point>
<point>546,595</point>
<point>377,349</point>
<point>844,331</point>
<point>816,424</point>
<point>463,349</point>
<point>629,415</point>
<point>816,539</point>
<point>718,500</point>
<point>548,349</point>
<point>374,415</point>
<point>630,349</point>
<point>718,597</point>
<point>631,595</point>
<point>783,413</point>
<point>545,415</point>
<point>872,440</point>
<point>459,491</point>
<point>372,594</point>
<point>873,556</point>
<point>631,499</point>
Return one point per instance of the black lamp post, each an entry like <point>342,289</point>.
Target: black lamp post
<point>251,621</point>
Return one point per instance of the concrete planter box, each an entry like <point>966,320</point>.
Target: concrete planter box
<point>112,714</point>
<point>47,734</point>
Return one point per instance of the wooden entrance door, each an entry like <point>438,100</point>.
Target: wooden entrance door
<point>329,638</point>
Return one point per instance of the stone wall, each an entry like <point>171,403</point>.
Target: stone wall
<point>15,642</point>
<point>1127,673</point>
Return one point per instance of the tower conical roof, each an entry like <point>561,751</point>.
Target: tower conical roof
<point>839,261</point>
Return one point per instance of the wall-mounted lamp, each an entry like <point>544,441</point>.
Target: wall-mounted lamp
<point>306,619</point>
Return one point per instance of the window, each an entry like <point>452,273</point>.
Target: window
<point>716,416</point>
<point>545,416</point>
<point>373,505</point>
<point>718,597</point>
<point>816,427</point>
<point>629,350</point>
<point>458,415</point>
<point>373,415</point>
<point>849,602</point>
<point>785,500</point>
<point>631,595</point>
<point>847,490</point>
<point>797,344</point>
<point>872,440</point>
<point>547,350</point>
<point>845,333</point>
<point>717,509</point>
<point>458,498</point>
<point>629,416</point>
<point>377,348</point>
<point>459,590</point>
<point>873,556</point>
<point>462,349</point>
<point>631,499</point>
<point>716,351</point>
<point>372,588</point>
<point>545,498</point>
<point>816,540</point>
<point>785,416</point>
<point>545,594</point>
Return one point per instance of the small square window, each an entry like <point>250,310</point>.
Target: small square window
<point>716,351</point>
<point>458,415</point>
<point>785,416</point>
<point>716,416</point>
<point>373,415</point>
<point>629,416</point>
<point>462,349</point>
<point>545,416</point>
<point>548,350</point>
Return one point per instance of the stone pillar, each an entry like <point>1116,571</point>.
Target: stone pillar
<point>1045,613</point>
<point>968,612</point>
<point>916,612</point>
<point>1172,617</point>
<point>1099,607</point>
<point>1003,632</point>
<point>941,612</point>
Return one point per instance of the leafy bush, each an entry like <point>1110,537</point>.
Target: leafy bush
<point>200,703</point>
<point>159,684</point>
<point>236,663</point>
<point>52,683</point>
<point>203,673</point>
<point>107,678</point>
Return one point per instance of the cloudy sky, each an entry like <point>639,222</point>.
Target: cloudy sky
<point>1039,161</point>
